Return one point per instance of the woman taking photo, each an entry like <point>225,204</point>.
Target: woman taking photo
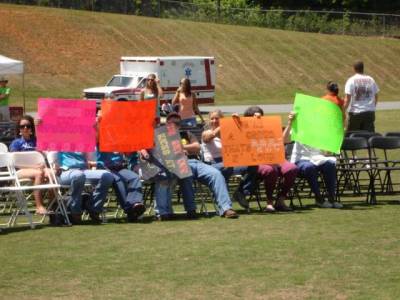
<point>152,90</point>
<point>185,99</point>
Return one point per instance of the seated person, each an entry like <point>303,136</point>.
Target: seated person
<point>27,142</point>
<point>164,187</point>
<point>310,161</point>
<point>127,185</point>
<point>270,174</point>
<point>202,172</point>
<point>75,171</point>
<point>212,151</point>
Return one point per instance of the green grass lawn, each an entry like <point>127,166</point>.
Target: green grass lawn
<point>311,253</point>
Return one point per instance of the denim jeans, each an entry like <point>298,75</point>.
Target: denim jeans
<point>76,179</point>
<point>210,177</point>
<point>163,189</point>
<point>189,122</point>
<point>128,188</point>
<point>310,172</point>
<point>249,176</point>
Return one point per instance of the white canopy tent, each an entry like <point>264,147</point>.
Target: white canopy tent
<point>9,66</point>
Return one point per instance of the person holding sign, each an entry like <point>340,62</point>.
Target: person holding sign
<point>212,151</point>
<point>202,172</point>
<point>75,171</point>
<point>310,161</point>
<point>270,174</point>
<point>127,185</point>
<point>185,99</point>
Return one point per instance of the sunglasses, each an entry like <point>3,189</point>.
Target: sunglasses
<point>27,126</point>
<point>150,79</point>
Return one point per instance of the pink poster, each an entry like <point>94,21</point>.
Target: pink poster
<point>66,125</point>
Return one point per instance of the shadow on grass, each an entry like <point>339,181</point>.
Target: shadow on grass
<point>21,228</point>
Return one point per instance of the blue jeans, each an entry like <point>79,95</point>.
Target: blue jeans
<point>163,189</point>
<point>128,188</point>
<point>211,177</point>
<point>189,122</point>
<point>310,172</point>
<point>249,176</point>
<point>76,179</point>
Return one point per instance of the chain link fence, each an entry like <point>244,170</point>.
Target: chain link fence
<point>331,22</point>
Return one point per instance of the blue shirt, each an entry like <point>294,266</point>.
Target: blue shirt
<point>20,144</point>
<point>72,160</point>
<point>110,160</point>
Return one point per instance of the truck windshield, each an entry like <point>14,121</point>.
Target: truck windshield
<point>120,81</point>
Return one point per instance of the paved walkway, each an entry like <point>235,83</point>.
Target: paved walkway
<point>284,108</point>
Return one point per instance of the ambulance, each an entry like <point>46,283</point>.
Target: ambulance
<point>169,70</point>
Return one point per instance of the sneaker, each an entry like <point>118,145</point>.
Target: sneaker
<point>325,204</point>
<point>337,205</point>
<point>135,212</point>
<point>230,214</point>
<point>241,199</point>
<point>269,209</point>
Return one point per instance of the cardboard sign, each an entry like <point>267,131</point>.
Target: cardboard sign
<point>169,151</point>
<point>251,141</point>
<point>127,126</point>
<point>318,123</point>
<point>66,125</point>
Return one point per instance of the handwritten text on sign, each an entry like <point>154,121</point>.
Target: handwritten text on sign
<point>252,141</point>
<point>169,151</point>
<point>66,125</point>
<point>127,126</point>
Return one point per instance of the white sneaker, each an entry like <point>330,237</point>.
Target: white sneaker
<point>325,204</point>
<point>337,205</point>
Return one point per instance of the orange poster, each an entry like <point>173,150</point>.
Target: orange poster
<point>251,141</point>
<point>127,126</point>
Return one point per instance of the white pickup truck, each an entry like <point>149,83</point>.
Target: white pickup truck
<point>169,69</point>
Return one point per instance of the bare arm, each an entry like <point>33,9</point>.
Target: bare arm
<point>175,100</point>
<point>196,107</point>
<point>347,100</point>
<point>208,135</point>
<point>376,100</point>
<point>193,148</point>
<point>142,95</point>
<point>286,132</point>
<point>159,89</point>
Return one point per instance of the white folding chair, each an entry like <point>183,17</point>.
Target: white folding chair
<point>9,185</point>
<point>33,159</point>
<point>3,148</point>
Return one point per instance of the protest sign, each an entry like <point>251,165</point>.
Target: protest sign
<point>169,151</point>
<point>252,141</point>
<point>127,126</point>
<point>66,125</point>
<point>318,123</point>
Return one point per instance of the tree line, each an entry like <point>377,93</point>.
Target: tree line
<point>134,6</point>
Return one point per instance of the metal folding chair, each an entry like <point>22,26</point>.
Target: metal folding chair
<point>33,159</point>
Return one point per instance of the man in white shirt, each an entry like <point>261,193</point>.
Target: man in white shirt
<point>361,100</point>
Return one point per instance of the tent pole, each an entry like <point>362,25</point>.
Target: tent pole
<point>23,89</point>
